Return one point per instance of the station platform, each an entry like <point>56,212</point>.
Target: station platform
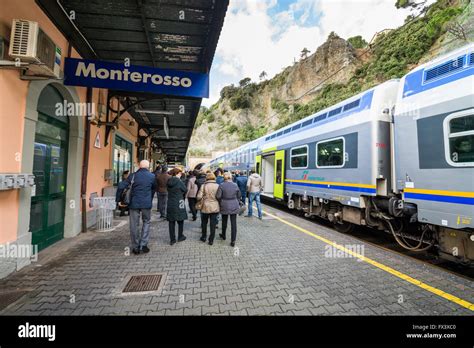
<point>282,265</point>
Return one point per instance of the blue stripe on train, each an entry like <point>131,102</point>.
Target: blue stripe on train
<point>439,198</point>
<point>414,81</point>
<point>335,187</point>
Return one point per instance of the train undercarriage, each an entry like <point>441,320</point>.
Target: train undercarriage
<point>394,216</point>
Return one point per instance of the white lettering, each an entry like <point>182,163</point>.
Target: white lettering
<point>145,77</point>
<point>82,70</point>
<point>186,82</point>
<point>125,74</point>
<point>136,76</point>
<point>157,79</point>
<point>167,81</point>
<point>115,75</point>
<point>37,331</point>
<point>103,73</point>
<point>89,70</point>
<point>176,81</point>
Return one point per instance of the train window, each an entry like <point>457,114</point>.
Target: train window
<point>288,130</point>
<point>307,123</point>
<point>278,171</point>
<point>299,157</point>
<point>330,153</point>
<point>319,118</point>
<point>352,105</point>
<point>334,112</point>
<point>459,138</point>
<point>295,127</point>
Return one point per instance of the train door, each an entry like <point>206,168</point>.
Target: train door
<point>278,189</point>
<point>258,164</point>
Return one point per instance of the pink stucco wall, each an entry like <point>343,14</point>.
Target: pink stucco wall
<point>13,93</point>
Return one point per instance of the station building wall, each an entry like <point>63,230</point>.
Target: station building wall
<point>18,118</point>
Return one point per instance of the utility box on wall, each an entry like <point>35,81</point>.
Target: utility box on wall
<point>109,174</point>
<point>16,181</point>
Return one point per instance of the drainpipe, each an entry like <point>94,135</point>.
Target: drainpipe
<point>85,163</point>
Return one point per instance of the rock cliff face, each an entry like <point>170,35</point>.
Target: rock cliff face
<point>297,83</point>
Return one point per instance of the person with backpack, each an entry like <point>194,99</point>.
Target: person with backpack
<point>121,186</point>
<point>142,186</point>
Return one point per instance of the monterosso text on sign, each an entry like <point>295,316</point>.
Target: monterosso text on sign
<point>101,74</point>
<point>125,75</point>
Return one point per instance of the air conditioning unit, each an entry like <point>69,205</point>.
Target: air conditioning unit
<point>30,44</point>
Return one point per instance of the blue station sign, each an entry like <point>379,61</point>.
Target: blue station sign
<point>135,78</point>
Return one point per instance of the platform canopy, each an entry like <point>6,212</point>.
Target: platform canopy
<point>169,34</point>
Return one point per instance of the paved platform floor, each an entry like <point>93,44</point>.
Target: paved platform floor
<point>276,269</point>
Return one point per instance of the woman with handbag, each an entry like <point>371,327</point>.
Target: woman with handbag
<point>209,206</point>
<point>229,196</point>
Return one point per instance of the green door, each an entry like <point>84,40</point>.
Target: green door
<point>48,199</point>
<point>278,189</point>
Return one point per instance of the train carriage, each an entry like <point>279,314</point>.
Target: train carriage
<point>434,147</point>
<point>398,157</point>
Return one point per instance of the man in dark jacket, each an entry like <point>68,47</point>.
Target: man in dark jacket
<point>241,181</point>
<point>162,181</point>
<point>122,185</point>
<point>144,185</point>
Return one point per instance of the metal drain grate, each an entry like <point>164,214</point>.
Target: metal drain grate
<point>142,283</point>
<point>9,297</point>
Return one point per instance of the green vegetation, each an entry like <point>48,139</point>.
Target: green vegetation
<point>279,79</point>
<point>402,3</point>
<point>279,105</point>
<point>357,41</point>
<point>231,129</point>
<point>249,132</point>
<point>198,152</point>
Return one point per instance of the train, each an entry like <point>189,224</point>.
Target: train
<point>398,157</point>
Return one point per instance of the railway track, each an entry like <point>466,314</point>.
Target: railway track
<point>384,241</point>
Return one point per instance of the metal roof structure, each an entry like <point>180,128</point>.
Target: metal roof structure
<point>169,34</point>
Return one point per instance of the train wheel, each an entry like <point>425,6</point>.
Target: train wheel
<point>345,227</point>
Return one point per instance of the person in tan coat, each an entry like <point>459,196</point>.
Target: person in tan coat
<point>210,206</point>
<point>254,187</point>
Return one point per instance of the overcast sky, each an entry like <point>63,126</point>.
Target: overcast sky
<point>267,35</point>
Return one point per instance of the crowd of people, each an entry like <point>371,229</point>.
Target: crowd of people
<point>219,195</point>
